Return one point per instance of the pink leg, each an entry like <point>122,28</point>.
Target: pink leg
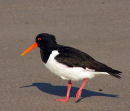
<point>68,93</point>
<point>80,89</point>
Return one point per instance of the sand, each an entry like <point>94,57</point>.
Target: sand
<point>98,27</point>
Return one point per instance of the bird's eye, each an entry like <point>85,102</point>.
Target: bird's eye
<point>39,39</point>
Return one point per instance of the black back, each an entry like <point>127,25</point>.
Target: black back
<point>76,58</point>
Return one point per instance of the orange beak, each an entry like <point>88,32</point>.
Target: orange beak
<point>34,45</point>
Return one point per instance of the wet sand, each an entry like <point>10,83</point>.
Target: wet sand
<point>98,27</point>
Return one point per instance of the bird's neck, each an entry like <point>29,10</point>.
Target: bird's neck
<point>44,55</point>
<point>45,52</point>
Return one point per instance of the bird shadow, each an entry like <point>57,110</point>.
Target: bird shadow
<point>61,90</point>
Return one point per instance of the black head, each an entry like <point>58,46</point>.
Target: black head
<point>45,40</point>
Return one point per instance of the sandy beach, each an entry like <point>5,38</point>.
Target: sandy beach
<point>100,28</point>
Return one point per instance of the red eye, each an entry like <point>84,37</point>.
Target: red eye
<point>39,39</point>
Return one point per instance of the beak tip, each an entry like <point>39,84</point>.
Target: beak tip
<point>29,49</point>
<point>22,54</point>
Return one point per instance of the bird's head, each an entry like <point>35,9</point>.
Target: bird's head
<point>43,41</point>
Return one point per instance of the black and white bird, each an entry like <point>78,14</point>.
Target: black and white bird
<point>69,63</point>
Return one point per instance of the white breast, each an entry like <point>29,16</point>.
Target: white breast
<point>68,73</point>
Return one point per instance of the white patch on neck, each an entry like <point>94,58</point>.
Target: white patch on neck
<point>53,55</point>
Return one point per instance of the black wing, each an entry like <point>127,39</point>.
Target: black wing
<point>76,58</point>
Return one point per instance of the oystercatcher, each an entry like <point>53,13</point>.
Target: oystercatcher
<point>69,63</point>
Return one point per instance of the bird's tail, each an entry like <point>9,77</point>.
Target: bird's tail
<point>115,73</point>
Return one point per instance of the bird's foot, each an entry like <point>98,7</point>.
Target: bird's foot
<point>78,94</point>
<point>64,100</point>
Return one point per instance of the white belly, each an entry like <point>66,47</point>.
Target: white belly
<point>69,73</point>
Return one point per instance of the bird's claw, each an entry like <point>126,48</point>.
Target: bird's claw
<point>63,100</point>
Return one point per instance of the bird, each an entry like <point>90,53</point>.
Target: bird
<point>69,63</point>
